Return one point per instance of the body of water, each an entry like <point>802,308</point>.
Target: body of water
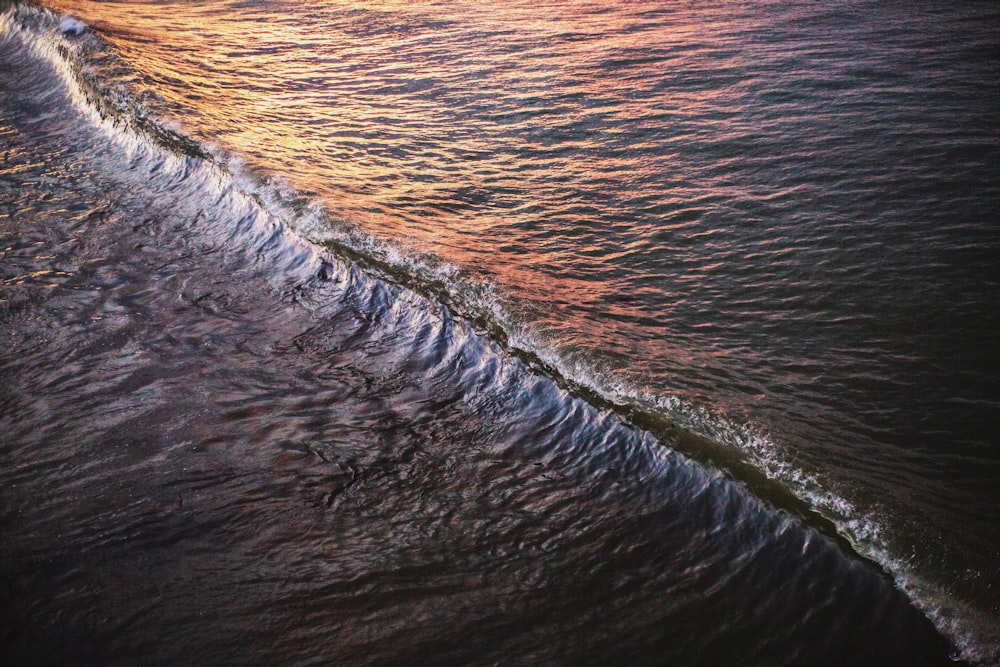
<point>500,333</point>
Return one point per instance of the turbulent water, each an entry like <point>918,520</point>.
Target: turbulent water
<point>500,333</point>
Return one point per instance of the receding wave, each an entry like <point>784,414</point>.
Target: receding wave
<point>316,246</point>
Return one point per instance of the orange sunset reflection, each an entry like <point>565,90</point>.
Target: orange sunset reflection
<point>466,153</point>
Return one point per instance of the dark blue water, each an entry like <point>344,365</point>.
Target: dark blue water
<point>445,333</point>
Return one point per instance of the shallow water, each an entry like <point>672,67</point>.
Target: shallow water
<point>646,332</point>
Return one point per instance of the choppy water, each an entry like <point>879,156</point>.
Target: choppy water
<point>456,332</point>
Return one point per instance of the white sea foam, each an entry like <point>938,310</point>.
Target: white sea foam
<point>71,26</point>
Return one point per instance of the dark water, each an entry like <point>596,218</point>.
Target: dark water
<point>386,333</point>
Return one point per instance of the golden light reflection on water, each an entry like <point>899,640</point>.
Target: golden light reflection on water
<point>458,130</point>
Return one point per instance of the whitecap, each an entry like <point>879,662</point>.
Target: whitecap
<point>71,26</point>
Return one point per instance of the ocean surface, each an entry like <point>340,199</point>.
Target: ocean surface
<point>500,333</point>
